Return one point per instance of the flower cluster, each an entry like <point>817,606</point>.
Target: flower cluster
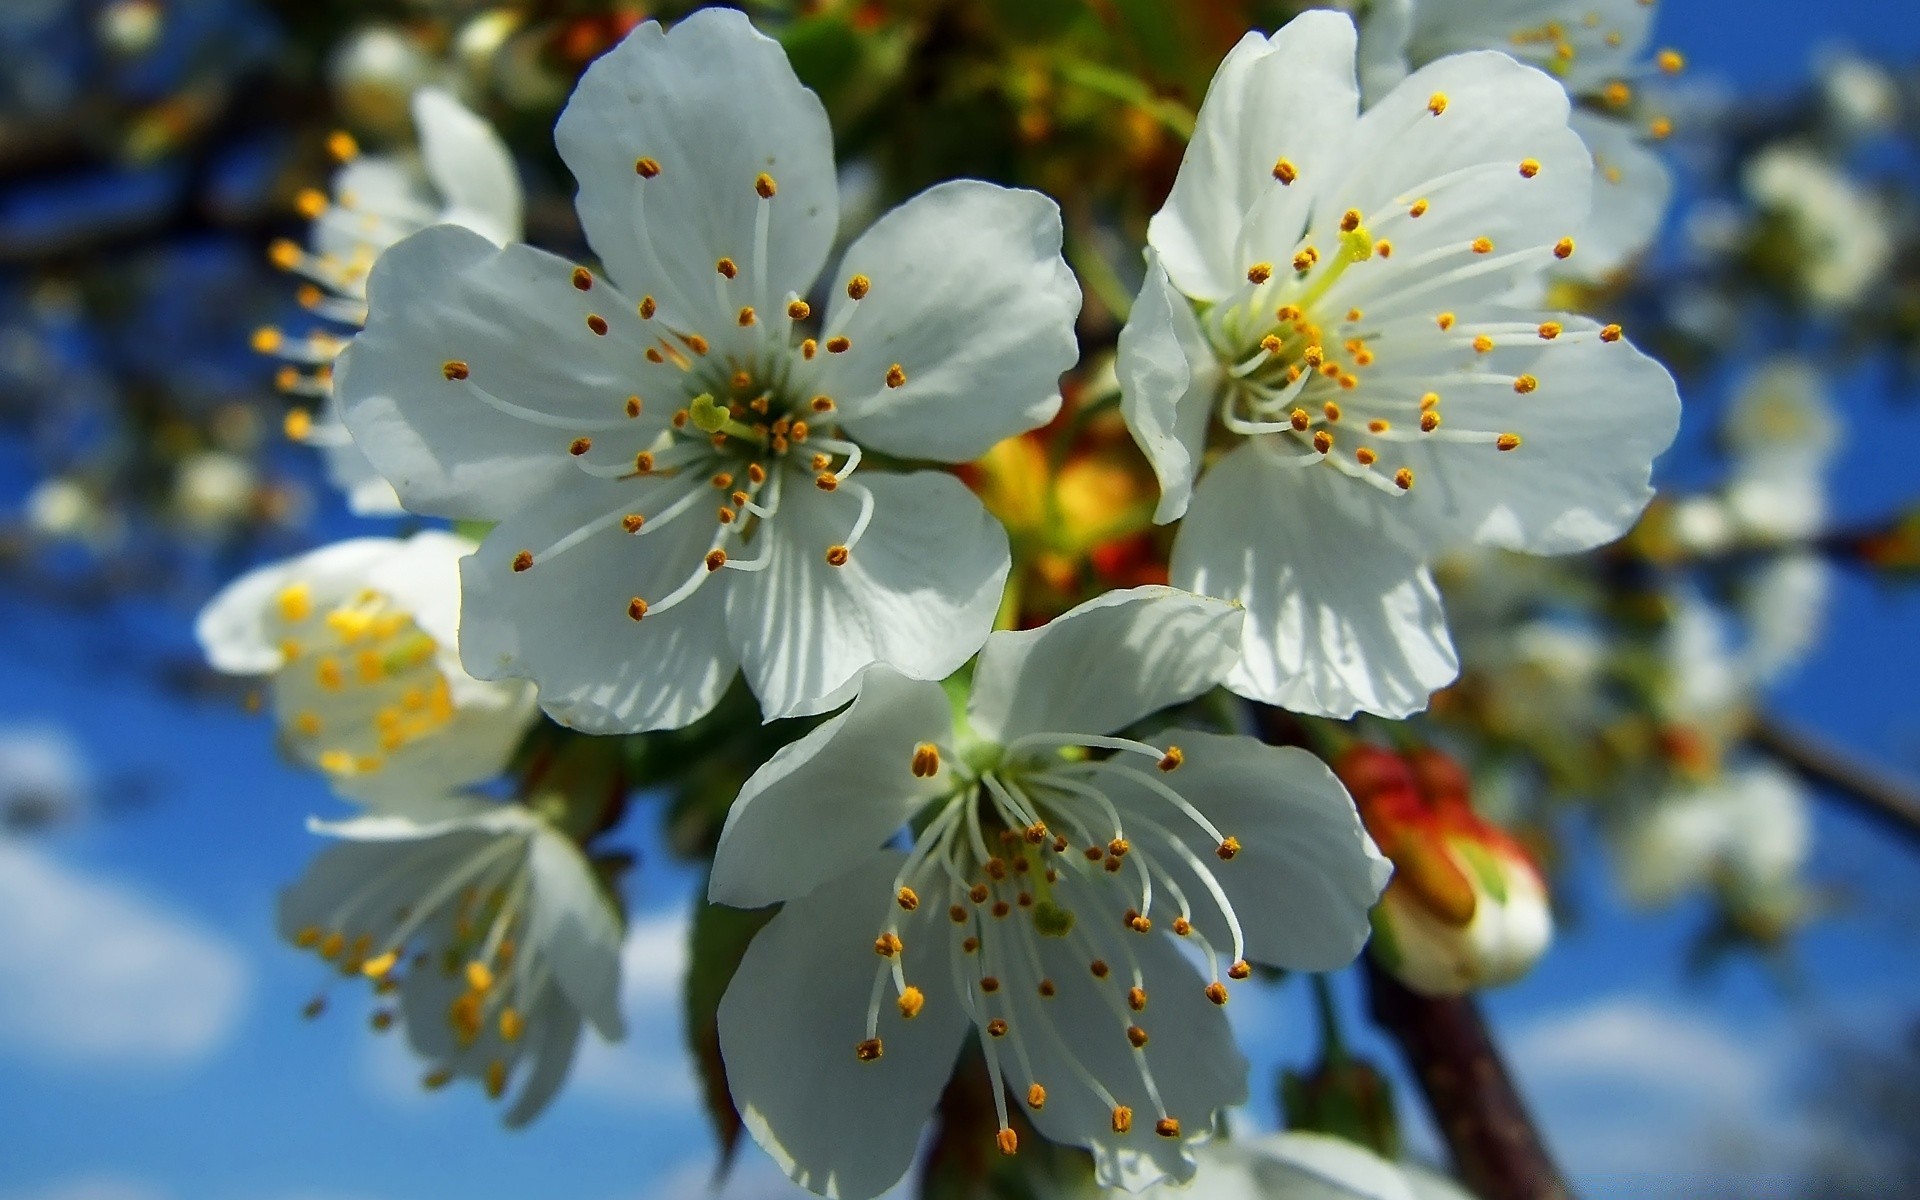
<point>734,445</point>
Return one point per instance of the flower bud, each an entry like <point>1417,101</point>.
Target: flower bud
<point>1466,908</point>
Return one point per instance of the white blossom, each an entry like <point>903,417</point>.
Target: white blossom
<point>1597,50</point>
<point>461,175</point>
<point>1325,310</point>
<point>484,925</point>
<point>1307,1166</point>
<point>1840,238</point>
<point>1749,829</point>
<point>357,641</point>
<point>680,456</point>
<point>1079,915</point>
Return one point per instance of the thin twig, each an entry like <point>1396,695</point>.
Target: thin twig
<point>1887,798</point>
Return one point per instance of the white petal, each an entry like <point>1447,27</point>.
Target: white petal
<point>1307,873</point>
<point>789,1023</point>
<point>1382,58</point>
<point>1632,188</point>
<point>1589,434</point>
<point>564,623</point>
<point>422,578</point>
<point>1111,661</point>
<point>555,1040</point>
<point>574,928</point>
<point>1606,36</point>
<point>919,592</point>
<point>435,815</point>
<point>1168,379</point>
<point>237,628</point>
<point>469,165</point>
<point>1190,1047</point>
<point>971,299</point>
<point>1341,617</point>
<point>826,802</point>
<point>473,747</point>
<point>715,103</point>
<point>1291,96</point>
<point>516,320</point>
<point>1316,1166</point>
<point>1428,1184</point>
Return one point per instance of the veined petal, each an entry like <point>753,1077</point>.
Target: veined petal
<point>790,1020</point>
<point>693,117</point>
<point>1111,661</point>
<point>968,297</point>
<point>1632,189</point>
<point>233,629</point>
<point>1341,616</point>
<point>469,165</point>
<point>1593,419</point>
<point>1189,1050</point>
<point>1290,96</point>
<point>1382,58</point>
<point>556,1042</point>
<point>574,927</point>
<point>826,802</point>
<point>422,577</point>
<point>473,357</point>
<point>917,592</point>
<point>568,624</point>
<point>1315,1166</point>
<point>1586,44</point>
<point>1306,873</point>
<point>1168,379</point>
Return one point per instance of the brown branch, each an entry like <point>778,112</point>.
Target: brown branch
<point>1881,795</point>
<point>1495,1146</point>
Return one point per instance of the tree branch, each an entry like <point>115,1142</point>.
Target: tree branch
<point>1881,795</point>
<point>1495,1146</point>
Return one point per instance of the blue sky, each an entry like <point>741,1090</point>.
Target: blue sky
<point>151,1046</point>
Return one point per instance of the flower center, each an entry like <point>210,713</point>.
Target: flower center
<point>1035,861</point>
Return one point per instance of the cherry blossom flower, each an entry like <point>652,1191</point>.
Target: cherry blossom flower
<point>683,458</point>
<point>1308,1166</point>
<point>482,929</point>
<point>357,642</point>
<point>462,175</point>
<point>1324,308</point>
<point>1081,916</point>
<point>1597,49</point>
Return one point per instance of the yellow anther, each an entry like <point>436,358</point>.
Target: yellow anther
<point>637,608</point>
<point>911,1001</point>
<point>1136,1036</point>
<point>1271,344</point>
<point>512,1024</point>
<point>1610,334</point>
<point>1550,330</point>
<point>329,675</point>
<point>896,376</point>
<point>1217,992</point>
<point>1322,441</point>
<point>295,602</point>
<point>858,287</point>
<point>907,899</point>
<point>437,1078</point>
<point>1099,968</point>
<point>1286,312</point>
<point>727,267</point>
<point>579,446</point>
<point>1299,419</point>
<point>1046,989</point>
<point>1285,171</point>
<point>1429,421</point>
<point>809,348</point>
<point>887,945</point>
<point>1331,409</point>
<point>763,183</point>
<point>583,279</point>
<point>1239,970</point>
<point>634,405</point>
<point>1483,344</point>
<point>1172,759</point>
<point>1419,209</point>
<point>1228,848</point>
<point>1167,1127</point>
<point>1617,94</point>
<point>647,308</point>
<point>1365,456</point>
<point>1007,1140</point>
<point>716,558</point>
<point>826,481</point>
<point>989,984</point>
<point>267,340</point>
<point>479,976</point>
<point>496,1079</point>
<point>375,968</point>
<point>1350,220</point>
<point>310,203</point>
<point>1525,384</point>
<point>1259,272</point>
<point>926,760</point>
<point>1304,260</point>
<point>1036,1097</point>
<point>597,324</point>
<point>997,1027</point>
<point>1507,441</point>
<point>1137,999</point>
<point>838,345</point>
<point>1122,1119</point>
<point>1563,248</point>
<point>523,560</point>
<point>746,317</point>
<point>1660,128</point>
<point>1482,245</point>
<point>1403,479</point>
<point>1529,167</point>
<point>1671,61</point>
<point>332,945</point>
<point>284,254</point>
<point>341,146</point>
<point>1379,425</point>
<point>308,937</point>
<point>1444,320</point>
<point>1437,103</point>
<point>1140,924</point>
<point>643,462</point>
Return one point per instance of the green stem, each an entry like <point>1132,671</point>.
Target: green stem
<point>1100,278</point>
<point>1332,1045</point>
<point>1128,90</point>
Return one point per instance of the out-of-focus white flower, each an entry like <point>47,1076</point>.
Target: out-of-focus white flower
<point>1748,830</point>
<point>1782,433</point>
<point>358,639</point>
<point>462,175</point>
<point>213,490</point>
<point>1841,242</point>
<point>1306,1166</point>
<point>64,509</point>
<point>673,460</point>
<point>1862,99</point>
<point>1596,49</point>
<point>485,924</point>
<point>1782,604</point>
<point>1328,290</point>
<point>131,27</point>
<point>1054,904</point>
<point>375,71</point>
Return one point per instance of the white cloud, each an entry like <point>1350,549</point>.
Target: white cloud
<point>651,1069</point>
<point>1659,1100</point>
<point>90,1187</point>
<point>92,970</point>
